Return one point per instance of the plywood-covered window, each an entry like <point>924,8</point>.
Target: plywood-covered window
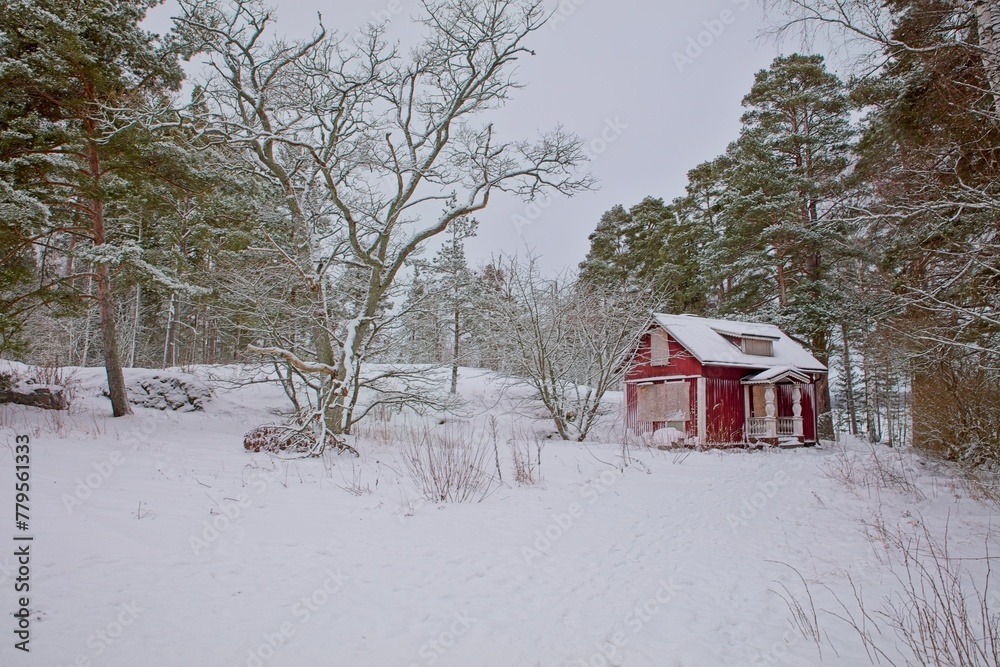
<point>760,347</point>
<point>758,402</point>
<point>659,348</point>
<point>666,402</point>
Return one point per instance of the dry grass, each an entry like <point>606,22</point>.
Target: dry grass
<point>875,470</point>
<point>803,616</point>
<point>449,465</point>
<point>938,614</point>
<point>526,455</point>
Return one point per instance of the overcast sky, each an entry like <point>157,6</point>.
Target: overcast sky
<point>655,87</point>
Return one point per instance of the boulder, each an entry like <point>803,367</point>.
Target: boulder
<point>46,396</point>
<point>166,390</point>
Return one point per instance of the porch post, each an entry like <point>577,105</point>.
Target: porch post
<point>797,430</point>
<point>771,411</point>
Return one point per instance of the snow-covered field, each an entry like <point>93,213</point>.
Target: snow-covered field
<point>159,541</point>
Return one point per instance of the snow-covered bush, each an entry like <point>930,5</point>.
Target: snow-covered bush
<point>278,439</point>
<point>667,437</point>
<point>288,439</point>
<point>876,468</point>
<point>570,341</point>
<point>939,613</point>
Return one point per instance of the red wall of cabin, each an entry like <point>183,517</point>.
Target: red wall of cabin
<point>725,404</point>
<point>681,362</point>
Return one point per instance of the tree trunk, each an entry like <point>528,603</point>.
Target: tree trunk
<point>168,342</point>
<point>455,346</point>
<point>987,13</point>
<point>852,411</point>
<point>105,301</point>
<point>109,343</point>
<point>135,325</point>
<point>86,324</point>
<point>889,424</point>
<point>325,355</point>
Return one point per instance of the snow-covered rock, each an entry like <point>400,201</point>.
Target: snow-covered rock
<point>47,396</point>
<point>165,390</point>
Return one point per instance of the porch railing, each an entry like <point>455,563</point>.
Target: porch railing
<point>757,426</point>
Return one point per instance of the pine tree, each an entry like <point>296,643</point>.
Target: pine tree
<point>701,209</point>
<point>455,280</point>
<point>609,259</point>
<point>651,249</point>
<point>784,178</point>
<point>67,69</point>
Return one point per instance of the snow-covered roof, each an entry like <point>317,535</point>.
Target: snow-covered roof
<point>703,338</point>
<point>776,374</point>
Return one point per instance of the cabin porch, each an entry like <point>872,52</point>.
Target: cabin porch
<point>774,405</point>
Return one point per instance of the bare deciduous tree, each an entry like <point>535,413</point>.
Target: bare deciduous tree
<point>377,153</point>
<point>568,340</point>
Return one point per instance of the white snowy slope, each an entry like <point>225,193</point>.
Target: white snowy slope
<point>159,541</point>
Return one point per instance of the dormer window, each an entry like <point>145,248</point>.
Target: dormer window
<point>755,345</point>
<point>758,347</point>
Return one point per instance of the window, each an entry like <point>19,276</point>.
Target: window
<point>758,402</point>
<point>759,347</point>
<point>665,402</point>
<point>659,348</point>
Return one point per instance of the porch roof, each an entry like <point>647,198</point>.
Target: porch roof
<point>778,374</point>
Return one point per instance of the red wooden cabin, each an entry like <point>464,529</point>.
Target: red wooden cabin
<point>721,382</point>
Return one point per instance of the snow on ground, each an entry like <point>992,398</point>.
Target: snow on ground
<point>159,541</point>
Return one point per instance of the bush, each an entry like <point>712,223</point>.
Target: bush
<point>449,466</point>
<point>287,439</point>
